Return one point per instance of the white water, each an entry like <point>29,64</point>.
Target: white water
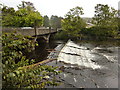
<point>82,56</point>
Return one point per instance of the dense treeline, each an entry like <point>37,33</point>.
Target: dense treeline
<point>25,16</point>
<point>104,24</point>
<point>53,21</point>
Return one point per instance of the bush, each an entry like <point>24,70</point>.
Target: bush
<point>100,32</point>
<point>15,74</point>
<point>61,36</point>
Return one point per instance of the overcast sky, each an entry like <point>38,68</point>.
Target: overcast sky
<point>61,7</point>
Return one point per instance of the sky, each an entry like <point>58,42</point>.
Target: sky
<point>61,7</point>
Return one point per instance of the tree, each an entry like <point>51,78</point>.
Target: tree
<point>25,16</point>
<point>8,10</point>
<point>55,21</point>
<point>73,23</point>
<point>103,19</point>
<point>118,20</point>
<point>28,5</point>
<point>7,16</point>
<point>46,21</point>
<point>29,14</point>
<point>104,15</point>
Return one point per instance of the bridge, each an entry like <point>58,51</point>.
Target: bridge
<point>42,31</point>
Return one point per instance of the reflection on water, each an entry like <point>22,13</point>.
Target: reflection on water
<point>42,51</point>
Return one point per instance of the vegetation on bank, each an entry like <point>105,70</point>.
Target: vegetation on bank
<point>105,24</point>
<point>73,23</point>
<point>13,60</point>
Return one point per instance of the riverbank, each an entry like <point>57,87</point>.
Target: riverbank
<point>85,36</point>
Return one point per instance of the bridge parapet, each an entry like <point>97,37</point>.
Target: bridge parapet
<point>30,31</point>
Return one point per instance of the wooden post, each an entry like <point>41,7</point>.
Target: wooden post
<point>56,61</point>
<point>35,31</point>
<point>49,29</point>
<point>35,26</point>
<point>56,29</point>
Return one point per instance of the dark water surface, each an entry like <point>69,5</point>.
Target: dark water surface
<point>43,50</point>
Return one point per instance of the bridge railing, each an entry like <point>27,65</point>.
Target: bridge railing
<point>29,31</point>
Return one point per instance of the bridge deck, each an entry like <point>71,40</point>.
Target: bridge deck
<point>30,32</point>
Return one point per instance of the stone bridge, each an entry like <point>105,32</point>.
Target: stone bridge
<point>44,32</point>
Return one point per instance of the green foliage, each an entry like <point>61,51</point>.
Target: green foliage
<point>25,16</point>
<point>28,5</point>
<point>62,36</point>
<point>105,16</point>
<point>7,15</point>
<point>103,19</point>
<point>100,33</point>
<point>118,19</point>
<point>15,74</point>
<point>73,23</point>
<point>55,21</point>
<point>46,21</point>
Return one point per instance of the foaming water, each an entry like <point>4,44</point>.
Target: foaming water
<point>79,55</point>
<point>87,65</point>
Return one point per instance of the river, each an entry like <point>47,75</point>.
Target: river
<point>97,67</point>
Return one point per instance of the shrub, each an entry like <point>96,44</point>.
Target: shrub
<point>15,74</point>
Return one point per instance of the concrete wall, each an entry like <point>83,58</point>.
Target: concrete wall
<point>29,32</point>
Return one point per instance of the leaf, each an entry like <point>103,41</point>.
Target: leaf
<point>6,62</point>
<point>17,72</point>
<point>11,74</point>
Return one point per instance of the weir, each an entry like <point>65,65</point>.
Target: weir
<point>86,65</point>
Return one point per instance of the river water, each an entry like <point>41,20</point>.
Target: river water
<point>89,65</point>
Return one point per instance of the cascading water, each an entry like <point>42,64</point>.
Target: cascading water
<point>79,55</point>
<point>87,66</point>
